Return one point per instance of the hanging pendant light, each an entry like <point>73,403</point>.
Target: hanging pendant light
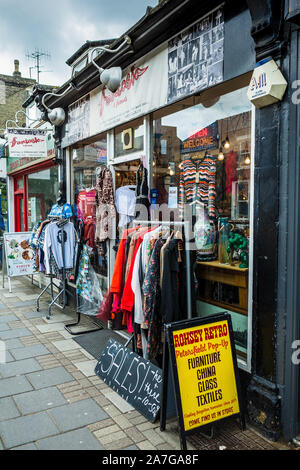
<point>221,154</point>
<point>247,160</point>
<point>227,143</point>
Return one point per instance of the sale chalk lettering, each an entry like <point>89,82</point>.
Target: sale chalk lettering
<point>136,380</point>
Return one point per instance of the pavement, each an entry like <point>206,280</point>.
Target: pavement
<point>51,398</point>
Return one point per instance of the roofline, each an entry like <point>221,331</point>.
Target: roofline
<point>157,26</point>
<point>85,47</point>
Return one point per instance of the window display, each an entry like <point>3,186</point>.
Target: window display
<point>42,194</point>
<point>204,152</point>
<point>88,162</point>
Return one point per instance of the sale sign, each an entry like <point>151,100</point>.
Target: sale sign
<point>206,374</point>
<point>204,369</point>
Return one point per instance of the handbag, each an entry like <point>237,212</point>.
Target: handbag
<point>104,312</point>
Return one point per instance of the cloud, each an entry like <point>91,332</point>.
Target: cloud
<point>60,27</point>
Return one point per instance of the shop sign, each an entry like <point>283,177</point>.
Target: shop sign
<point>78,125</point>
<point>27,143</point>
<point>206,138</point>
<point>137,95</point>
<point>136,380</point>
<point>18,253</point>
<point>14,164</point>
<point>267,85</point>
<point>196,56</point>
<point>204,370</point>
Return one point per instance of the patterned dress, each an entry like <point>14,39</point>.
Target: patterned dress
<point>197,183</point>
<point>152,314</point>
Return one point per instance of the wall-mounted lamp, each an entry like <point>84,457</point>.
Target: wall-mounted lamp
<point>23,112</point>
<point>110,77</point>
<point>57,115</point>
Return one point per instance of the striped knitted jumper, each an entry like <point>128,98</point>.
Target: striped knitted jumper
<point>197,183</point>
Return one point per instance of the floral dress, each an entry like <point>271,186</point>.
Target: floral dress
<point>152,316</point>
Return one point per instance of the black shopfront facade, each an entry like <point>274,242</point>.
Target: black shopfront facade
<point>253,31</point>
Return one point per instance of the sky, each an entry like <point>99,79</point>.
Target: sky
<point>58,28</point>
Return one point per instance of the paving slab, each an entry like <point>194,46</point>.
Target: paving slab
<point>66,345</point>
<point>77,414</point>
<point>25,429</point>
<point>50,377</point>
<point>13,343</point>
<point>30,315</point>
<point>81,439</point>
<point>30,446</point>
<point>4,327</point>
<point>14,386</point>
<point>16,333</point>
<point>39,400</point>
<point>24,303</point>
<point>118,401</point>
<point>8,357</point>
<point>8,318</point>
<point>87,367</point>
<point>50,328</point>
<point>8,409</point>
<point>22,367</point>
<point>29,352</point>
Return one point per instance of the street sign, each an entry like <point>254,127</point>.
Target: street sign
<point>204,370</point>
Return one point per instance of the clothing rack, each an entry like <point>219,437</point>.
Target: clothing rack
<point>186,226</point>
<point>62,288</point>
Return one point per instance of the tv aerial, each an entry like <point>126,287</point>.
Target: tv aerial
<point>37,55</point>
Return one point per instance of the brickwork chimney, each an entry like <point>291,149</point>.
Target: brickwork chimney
<point>17,72</point>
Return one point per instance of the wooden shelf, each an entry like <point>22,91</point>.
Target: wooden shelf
<point>214,271</point>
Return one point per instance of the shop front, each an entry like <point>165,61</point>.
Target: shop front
<point>180,141</point>
<point>32,188</point>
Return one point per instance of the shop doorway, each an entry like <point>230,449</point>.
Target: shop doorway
<point>20,204</point>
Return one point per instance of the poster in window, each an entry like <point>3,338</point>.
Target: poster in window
<point>195,57</point>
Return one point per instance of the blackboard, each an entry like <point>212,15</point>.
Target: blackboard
<point>135,379</point>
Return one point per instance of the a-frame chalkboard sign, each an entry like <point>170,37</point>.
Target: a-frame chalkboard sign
<point>203,362</point>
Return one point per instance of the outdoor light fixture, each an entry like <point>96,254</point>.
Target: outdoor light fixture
<point>110,77</point>
<point>23,112</point>
<point>57,115</point>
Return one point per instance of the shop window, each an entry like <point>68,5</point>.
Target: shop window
<point>42,188</point>
<point>87,161</point>
<point>129,138</point>
<point>201,159</point>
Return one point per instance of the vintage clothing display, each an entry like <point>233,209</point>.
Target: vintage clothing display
<point>46,241</point>
<point>125,200</point>
<point>148,285</point>
<point>105,205</point>
<point>197,184</point>
<point>142,194</point>
<point>198,188</point>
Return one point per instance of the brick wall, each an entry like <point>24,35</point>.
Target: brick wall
<point>13,92</point>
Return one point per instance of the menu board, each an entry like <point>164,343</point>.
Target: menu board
<point>19,255</point>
